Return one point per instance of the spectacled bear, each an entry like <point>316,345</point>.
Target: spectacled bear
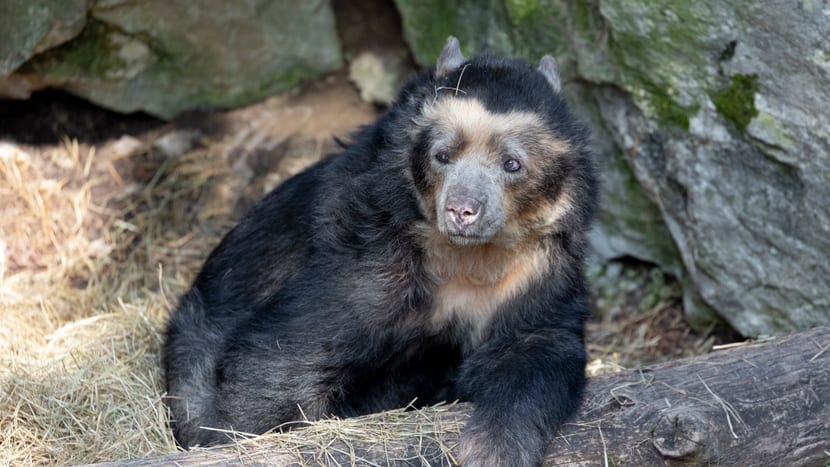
<point>438,257</point>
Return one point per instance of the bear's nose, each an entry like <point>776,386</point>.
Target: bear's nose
<point>463,210</point>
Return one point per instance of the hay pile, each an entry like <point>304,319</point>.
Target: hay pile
<point>83,299</point>
<point>96,242</point>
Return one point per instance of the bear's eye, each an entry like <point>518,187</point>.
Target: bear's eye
<point>442,157</point>
<point>512,165</point>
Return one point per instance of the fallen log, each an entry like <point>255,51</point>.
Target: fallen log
<point>765,403</point>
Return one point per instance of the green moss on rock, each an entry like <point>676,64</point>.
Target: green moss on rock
<point>737,101</point>
<point>427,24</point>
<point>519,28</point>
<point>667,109</point>
<point>92,53</point>
<point>520,10</point>
<point>539,27</point>
<point>645,42</point>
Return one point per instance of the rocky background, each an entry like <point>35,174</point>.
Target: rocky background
<point>710,118</point>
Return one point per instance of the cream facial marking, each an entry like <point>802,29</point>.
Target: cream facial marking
<point>546,217</point>
<point>477,156</point>
<point>480,129</point>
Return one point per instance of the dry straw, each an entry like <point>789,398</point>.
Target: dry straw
<point>96,241</point>
<point>82,302</point>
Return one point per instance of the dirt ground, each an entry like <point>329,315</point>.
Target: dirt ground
<point>104,220</point>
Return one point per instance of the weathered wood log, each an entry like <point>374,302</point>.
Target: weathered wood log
<point>757,404</point>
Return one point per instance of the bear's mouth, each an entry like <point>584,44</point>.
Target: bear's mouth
<point>465,239</point>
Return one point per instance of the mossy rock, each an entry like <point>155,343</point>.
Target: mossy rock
<point>737,101</point>
<point>165,56</point>
<point>28,27</point>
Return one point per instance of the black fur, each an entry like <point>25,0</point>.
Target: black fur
<point>320,299</point>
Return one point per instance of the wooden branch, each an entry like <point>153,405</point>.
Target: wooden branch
<point>757,404</point>
<point>760,404</point>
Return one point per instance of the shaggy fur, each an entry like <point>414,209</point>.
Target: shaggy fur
<point>438,257</point>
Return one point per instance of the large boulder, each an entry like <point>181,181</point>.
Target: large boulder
<point>719,109</point>
<point>28,27</point>
<point>725,123</point>
<point>168,56</point>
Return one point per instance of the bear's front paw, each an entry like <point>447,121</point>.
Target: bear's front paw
<point>495,446</point>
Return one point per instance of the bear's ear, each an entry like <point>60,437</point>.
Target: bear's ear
<point>451,58</point>
<point>550,70</point>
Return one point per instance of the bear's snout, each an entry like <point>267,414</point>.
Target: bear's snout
<point>463,211</point>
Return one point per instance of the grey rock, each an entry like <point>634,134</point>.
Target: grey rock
<point>378,74</point>
<point>167,56</point>
<point>177,142</point>
<point>28,27</point>
<point>630,223</point>
<point>744,188</point>
<point>124,146</point>
<point>373,44</point>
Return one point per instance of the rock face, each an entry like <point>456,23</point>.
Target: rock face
<point>28,27</point>
<point>725,124</point>
<point>167,56</point>
<point>719,108</point>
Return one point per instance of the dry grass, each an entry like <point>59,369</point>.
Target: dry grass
<point>97,241</point>
<point>83,302</point>
<point>397,437</point>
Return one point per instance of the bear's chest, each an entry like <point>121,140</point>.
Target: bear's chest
<point>475,285</point>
